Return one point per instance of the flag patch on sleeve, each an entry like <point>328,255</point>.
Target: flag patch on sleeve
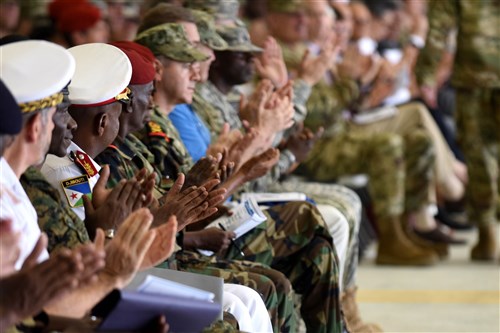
<point>75,189</point>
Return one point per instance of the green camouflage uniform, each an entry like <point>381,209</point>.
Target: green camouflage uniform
<point>476,75</point>
<point>314,271</point>
<point>63,228</point>
<point>262,246</point>
<point>161,138</point>
<point>125,158</point>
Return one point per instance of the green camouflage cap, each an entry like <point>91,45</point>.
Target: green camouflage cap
<point>206,28</point>
<point>218,8</point>
<point>170,40</point>
<point>237,39</point>
<point>285,6</point>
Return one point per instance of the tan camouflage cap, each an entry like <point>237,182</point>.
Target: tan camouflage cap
<point>218,8</point>
<point>170,40</point>
<point>285,6</point>
<point>206,28</point>
<point>237,39</point>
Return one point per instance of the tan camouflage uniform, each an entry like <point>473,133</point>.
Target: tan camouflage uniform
<point>476,75</point>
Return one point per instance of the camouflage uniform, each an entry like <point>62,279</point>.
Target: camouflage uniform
<point>350,153</point>
<point>63,227</point>
<point>396,188</point>
<point>275,238</point>
<point>316,273</point>
<point>476,75</point>
<point>126,157</point>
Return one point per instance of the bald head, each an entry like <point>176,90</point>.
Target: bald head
<point>98,126</point>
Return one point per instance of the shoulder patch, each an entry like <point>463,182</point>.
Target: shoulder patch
<point>154,129</point>
<point>75,188</point>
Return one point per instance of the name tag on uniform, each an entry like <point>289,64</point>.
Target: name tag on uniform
<point>75,189</point>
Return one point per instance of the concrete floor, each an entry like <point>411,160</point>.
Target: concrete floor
<point>454,296</point>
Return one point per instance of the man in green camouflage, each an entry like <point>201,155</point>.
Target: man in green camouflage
<point>476,75</point>
<point>271,244</point>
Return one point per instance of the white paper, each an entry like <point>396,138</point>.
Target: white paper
<point>267,197</point>
<point>374,115</point>
<point>155,285</point>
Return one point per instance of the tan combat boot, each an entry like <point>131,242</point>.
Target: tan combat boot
<point>441,249</point>
<point>394,247</point>
<point>351,314</point>
<point>485,249</point>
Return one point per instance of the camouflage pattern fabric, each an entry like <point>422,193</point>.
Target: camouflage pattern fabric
<point>478,42</point>
<point>340,197</point>
<point>476,74</point>
<point>285,6</point>
<point>272,285</point>
<point>161,139</point>
<point>478,121</point>
<point>262,247</point>
<point>126,157</point>
<point>352,153</point>
<point>222,10</point>
<point>296,243</point>
<point>63,228</point>
<point>170,40</point>
<point>411,117</point>
<point>122,159</point>
<point>208,34</point>
<point>237,39</point>
<point>214,109</point>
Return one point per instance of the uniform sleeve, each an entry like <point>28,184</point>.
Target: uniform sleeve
<point>117,170</point>
<point>63,227</point>
<point>442,20</point>
<point>301,93</point>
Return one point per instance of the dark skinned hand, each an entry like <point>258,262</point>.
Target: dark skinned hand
<point>302,141</point>
<point>212,239</point>
<point>205,168</point>
<point>186,204</point>
<point>259,165</point>
<point>125,198</point>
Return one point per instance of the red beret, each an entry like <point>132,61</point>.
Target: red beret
<point>58,7</point>
<point>79,17</point>
<point>141,59</point>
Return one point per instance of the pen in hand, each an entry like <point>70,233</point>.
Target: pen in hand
<point>232,241</point>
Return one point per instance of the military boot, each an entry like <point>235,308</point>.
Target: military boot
<point>485,249</point>
<point>396,249</point>
<point>351,314</point>
<point>441,249</point>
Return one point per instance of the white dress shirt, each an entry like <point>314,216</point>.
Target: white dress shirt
<point>15,205</point>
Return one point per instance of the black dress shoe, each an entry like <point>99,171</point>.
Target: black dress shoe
<point>438,236</point>
<point>445,218</point>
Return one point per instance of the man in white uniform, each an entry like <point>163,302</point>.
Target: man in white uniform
<point>37,95</point>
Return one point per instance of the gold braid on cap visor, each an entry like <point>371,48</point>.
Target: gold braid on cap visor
<point>41,104</point>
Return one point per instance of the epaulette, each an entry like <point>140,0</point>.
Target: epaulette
<point>84,162</point>
<point>154,129</point>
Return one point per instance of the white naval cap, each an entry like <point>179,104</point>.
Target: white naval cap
<point>102,75</point>
<point>35,72</point>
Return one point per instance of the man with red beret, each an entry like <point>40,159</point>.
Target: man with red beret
<point>81,23</point>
